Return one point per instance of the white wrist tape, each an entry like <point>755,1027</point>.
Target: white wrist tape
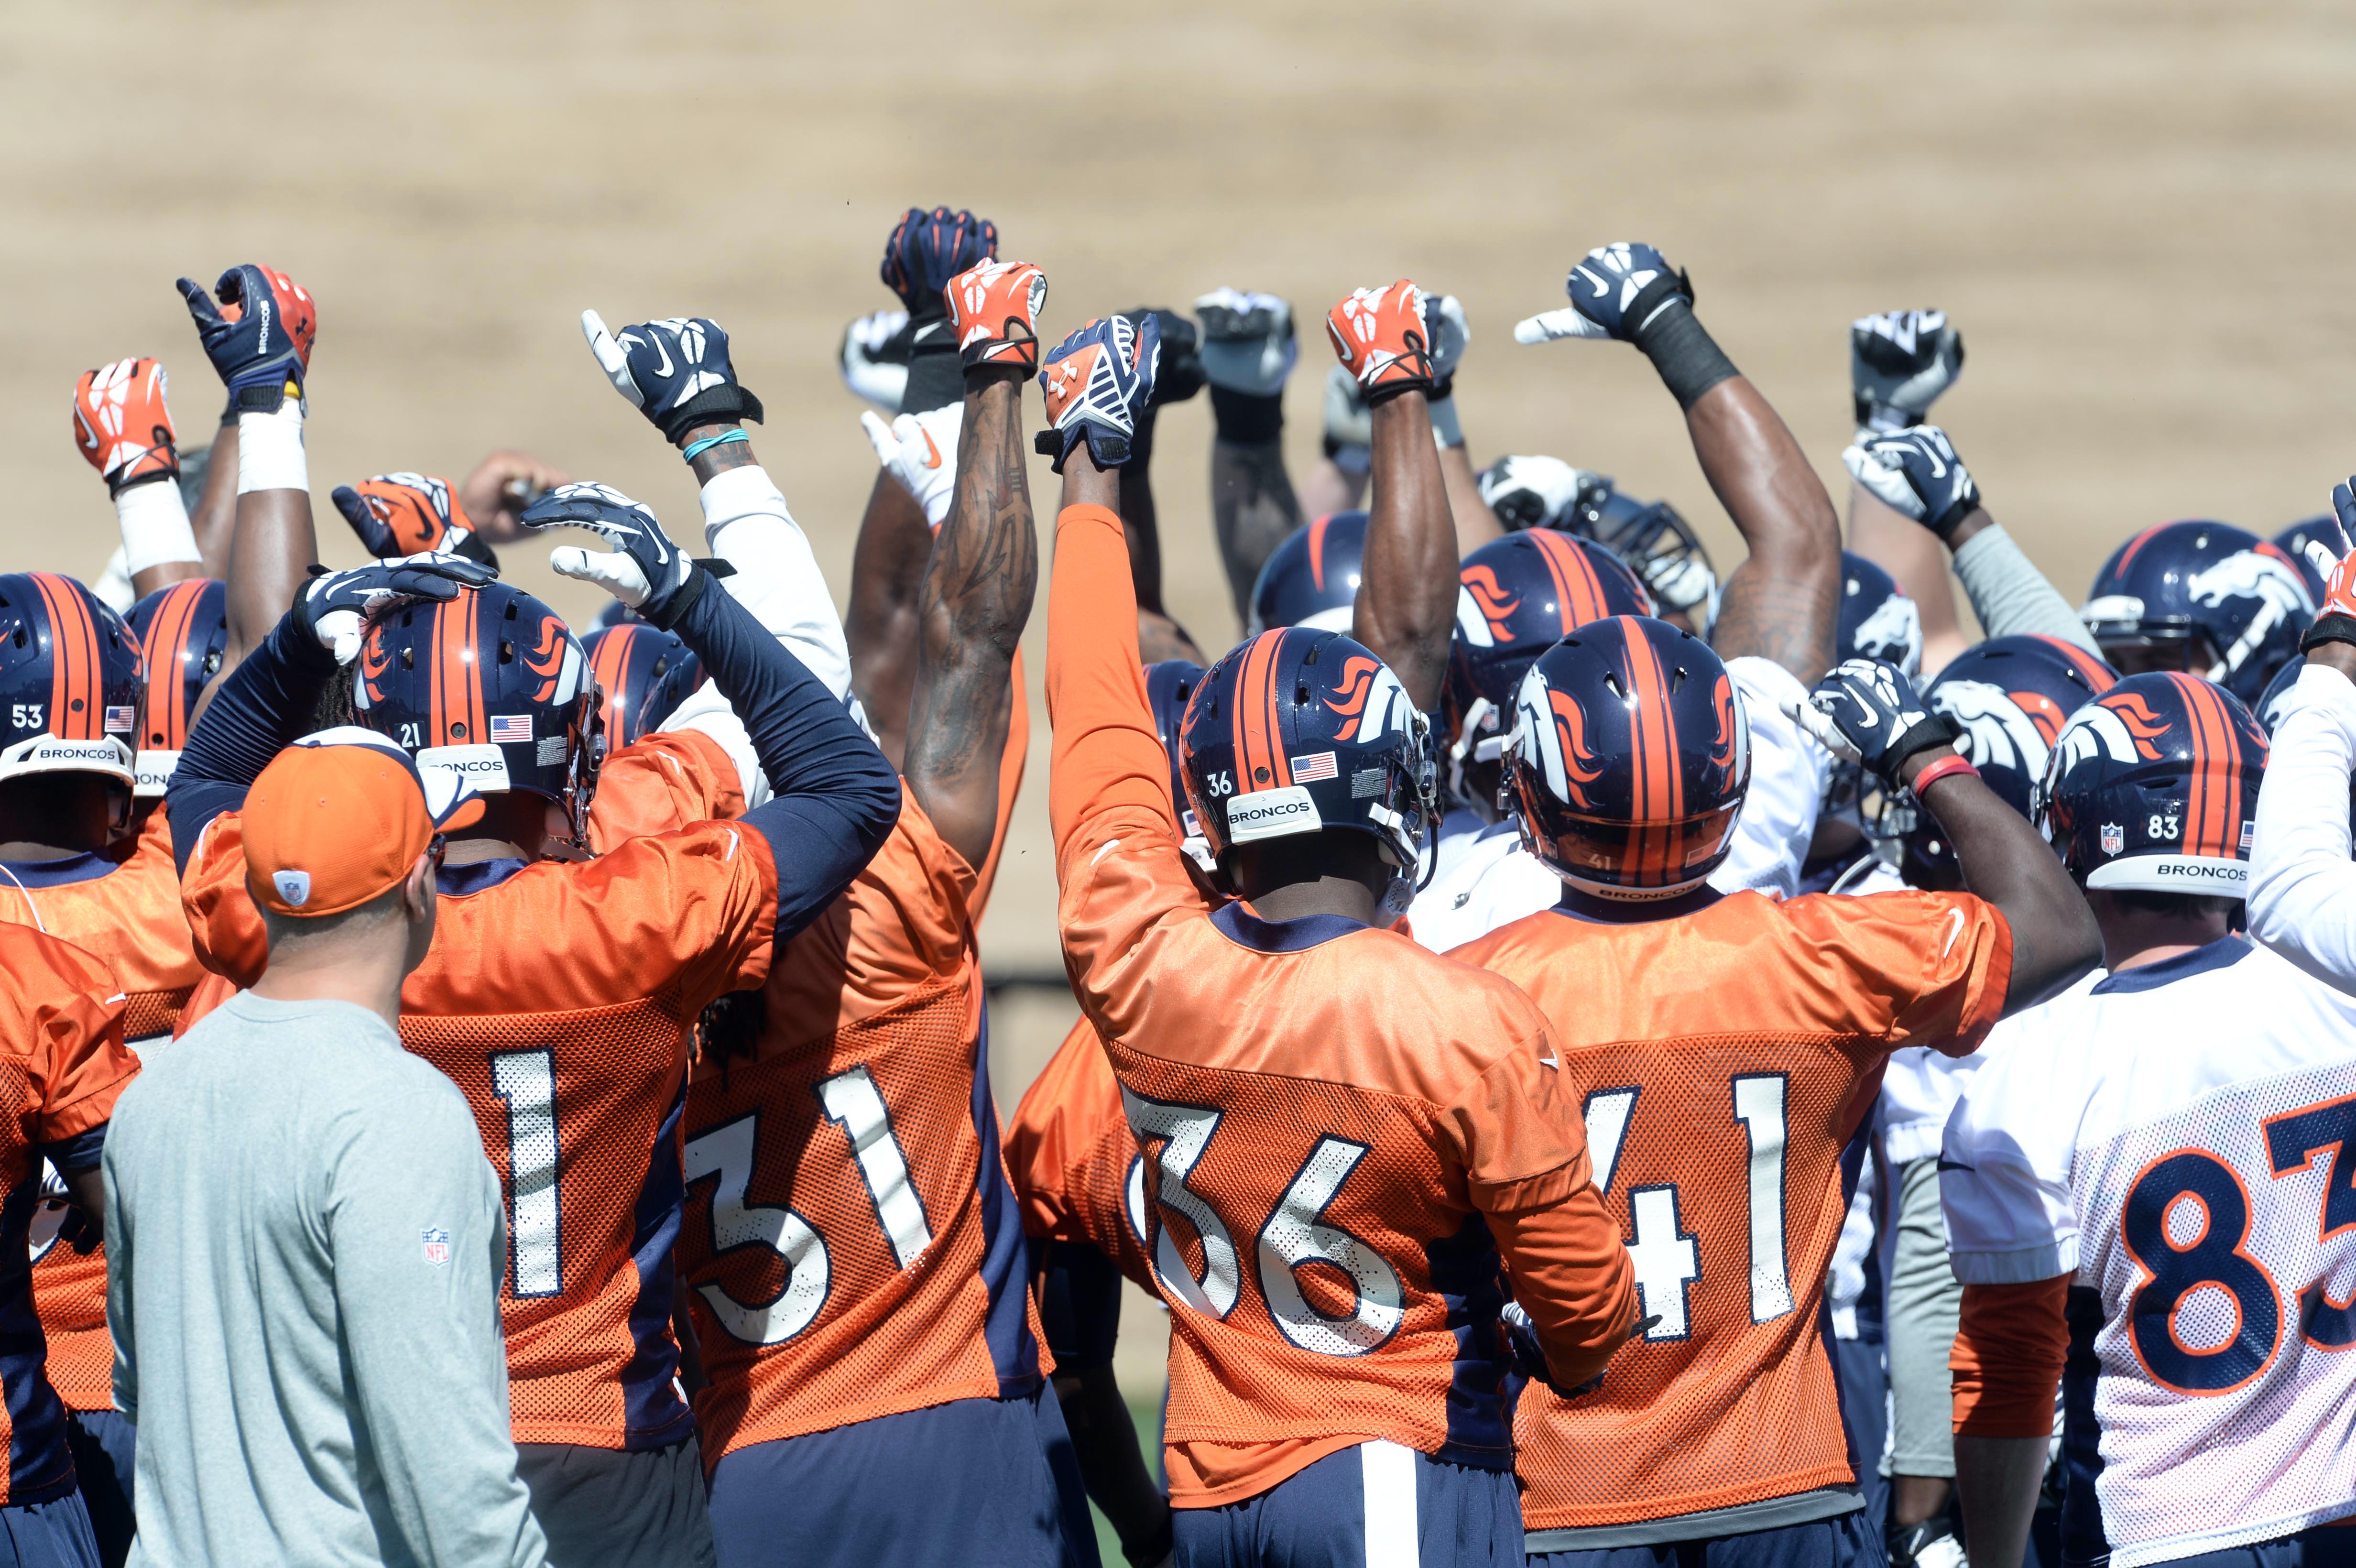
<point>155,523</point>
<point>270,450</point>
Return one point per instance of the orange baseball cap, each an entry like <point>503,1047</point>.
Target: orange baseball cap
<point>340,818</point>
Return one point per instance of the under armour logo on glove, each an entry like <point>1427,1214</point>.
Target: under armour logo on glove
<point>928,249</point>
<point>259,336</point>
<point>124,425</point>
<point>1916,473</point>
<point>1616,292</point>
<point>1097,382</point>
<point>645,570</point>
<point>675,371</point>
<point>1899,363</point>
<point>994,311</point>
<point>1867,711</point>
<point>1383,340</point>
<point>334,605</point>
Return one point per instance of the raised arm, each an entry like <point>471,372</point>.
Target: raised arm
<point>122,424</point>
<point>1899,363</point>
<point>984,573</point>
<point>2302,897</point>
<point>1783,601</point>
<point>1406,609</point>
<point>1248,352</point>
<point>1159,634</point>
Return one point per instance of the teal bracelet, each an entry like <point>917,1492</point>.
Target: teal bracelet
<point>709,442</point>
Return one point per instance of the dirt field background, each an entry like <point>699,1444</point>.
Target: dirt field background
<point>2138,213</point>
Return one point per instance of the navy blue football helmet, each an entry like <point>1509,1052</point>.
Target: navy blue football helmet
<point>1312,578</point>
<point>1168,685</point>
<point>1516,598</point>
<point>2315,544</point>
<point>494,685</point>
<point>2269,708</point>
<point>1877,621</point>
<point>643,674</point>
<point>1659,546</point>
<point>183,632</point>
<point>1301,731</point>
<point>2153,787</point>
<point>2009,697</point>
<point>2204,597</point>
<point>69,678</point>
<point>1629,760</point>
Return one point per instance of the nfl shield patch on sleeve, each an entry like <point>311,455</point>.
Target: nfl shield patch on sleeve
<point>437,1246</point>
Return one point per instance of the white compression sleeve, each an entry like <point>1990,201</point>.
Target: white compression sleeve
<point>2011,596</point>
<point>270,450</point>
<point>2302,897</point>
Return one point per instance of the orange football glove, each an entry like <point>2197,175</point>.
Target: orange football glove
<point>994,310</point>
<point>406,514</point>
<point>124,425</point>
<point>1383,341</point>
<point>2335,618</point>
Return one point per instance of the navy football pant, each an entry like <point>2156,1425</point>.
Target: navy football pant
<point>1844,1542</point>
<point>105,1447</point>
<point>2325,1546</point>
<point>610,1507</point>
<point>1378,1505</point>
<point>47,1535</point>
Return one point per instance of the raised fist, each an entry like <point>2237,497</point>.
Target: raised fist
<point>1916,472</point>
<point>1899,363</point>
<point>122,424</point>
<point>876,357</point>
<point>1382,339</point>
<point>921,452</point>
<point>1249,344</point>
<point>259,336</point>
<point>408,513</point>
<point>928,249</point>
<point>675,371</point>
<point>1615,292</point>
<point>1180,375</point>
<point>1444,324</point>
<point>645,570</point>
<point>994,311</point>
<point>1867,711</point>
<point>1097,382</point>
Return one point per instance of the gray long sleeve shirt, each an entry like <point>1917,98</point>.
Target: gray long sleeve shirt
<point>305,1242</point>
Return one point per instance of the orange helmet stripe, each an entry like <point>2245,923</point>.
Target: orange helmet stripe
<point>1317,552</point>
<point>2098,674</point>
<point>609,664</point>
<point>1256,726</point>
<point>457,712</point>
<point>2212,803</point>
<point>2136,544</point>
<point>1653,745</point>
<point>73,661</point>
<point>167,643</point>
<point>1577,591</point>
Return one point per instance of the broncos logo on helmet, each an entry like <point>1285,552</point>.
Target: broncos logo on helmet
<point>1371,702</point>
<point>2203,597</point>
<point>1556,727</point>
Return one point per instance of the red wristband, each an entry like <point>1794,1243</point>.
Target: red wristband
<point>1944,768</point>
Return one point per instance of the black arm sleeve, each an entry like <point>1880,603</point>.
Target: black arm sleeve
<point>263,706</point>
<point>836,797</point>
<point>1080,1306</point>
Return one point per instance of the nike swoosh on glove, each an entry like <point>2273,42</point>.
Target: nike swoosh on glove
<point>405,514</point>
<point>675,371</point>
<point>876,357</point>
<point>921,452</point>
<point>1615,291</point>
<point>643,570</point>
<point>1529,1357</point>
<point>1867,711</point>
<point>333,606</point>
<point>259,336</point>
<point>1917,474</point>
<point>1899,363</point>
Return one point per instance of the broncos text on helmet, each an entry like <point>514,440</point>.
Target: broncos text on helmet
<point>1301,731</point>
<point>494,685</point>
<point>183,632</point>
<point>643,675</point>
<point>69,679</point>
<point>2153,787</point>
<point>1516,597</point>
<point>2009,697</point>
<point>2204,597</point>
<point>1168,685</point>
<point>1629,760</point>
<point>1312,578</point>
<point>2314,546</point>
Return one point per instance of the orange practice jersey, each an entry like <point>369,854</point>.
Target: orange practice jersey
<point>851,1246</point>
<point>62,1066</point>
<point>1074,1160</point>
<point>560,1001</point>
<point>126,914</point>
<point>1723,1060</point>
<point>1344,1133</point>
<point>668,779</point>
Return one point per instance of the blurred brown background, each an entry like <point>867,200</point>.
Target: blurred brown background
<point>2136,212</point>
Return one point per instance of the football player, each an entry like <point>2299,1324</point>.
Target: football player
<point>1345,1135</point>
<point>643,676</point>
<point>2203,597</point>
<point>61,1034</point>
<point>1722,1124</point>
<point>881,1325</point>
<point>571,1045</point>
<point>1900,363</point>
<point>2144,1189</point>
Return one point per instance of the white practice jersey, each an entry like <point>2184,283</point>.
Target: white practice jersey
<point>1492,880</point>
<point>2179,1141</point>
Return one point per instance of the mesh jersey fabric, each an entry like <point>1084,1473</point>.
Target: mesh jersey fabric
<point>851,1246</point>
<point>2180,1142</point>
<point>1716,1129</point>
<point>560,1001</point>
<point>62,1066</point>
<point>1074,1160</point>
<point>128,915</point>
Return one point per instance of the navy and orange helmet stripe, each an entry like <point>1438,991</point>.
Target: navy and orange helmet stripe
<point>455,710</point>
<point>163,718</point>
<point>1578,591</point>
<point>1257,716</point>
<point>77,706</point>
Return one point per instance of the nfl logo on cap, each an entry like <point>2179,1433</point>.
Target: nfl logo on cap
<point>2114,838</point>
<point>294,887</point>
<point>437,1246</point>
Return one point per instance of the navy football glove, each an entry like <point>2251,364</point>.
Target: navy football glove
<point>1916,472</point>
<point>1529,1355</point>
<point>333,605</point>
<point>676,372</point>
<point>1097,382</point>
<point>258,337</point>
<point>1867,711</point>
<point>645,570</point>
<point>1615,293</point>
<point>1899,363</point>
<point>1180,375</point>
<point>926,249</point>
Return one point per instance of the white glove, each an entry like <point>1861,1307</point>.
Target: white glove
<point>1248,341</point>
<point>920,451</point>
<point>1349,422</point>
<point>882,381</point>
<point>1450,333</point>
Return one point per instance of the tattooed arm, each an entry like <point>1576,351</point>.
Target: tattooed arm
<point>1784,603</point>
<point>976,597</point>
<point>1406,604</point>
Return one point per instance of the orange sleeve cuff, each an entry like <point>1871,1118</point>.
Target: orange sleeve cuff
<point>2007,1359</point>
